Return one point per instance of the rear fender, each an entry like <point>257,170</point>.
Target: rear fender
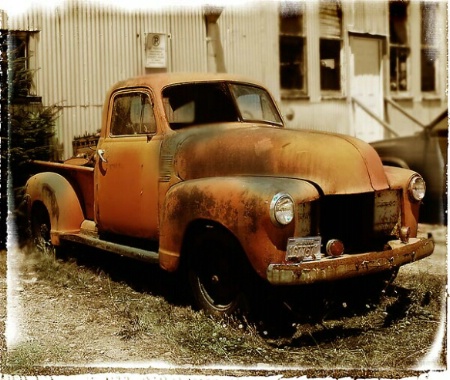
<point>60,200</point>
<point>239,204</point>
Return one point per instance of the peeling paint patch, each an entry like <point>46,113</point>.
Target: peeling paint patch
<point>263,146</point>
<point>49,193</point>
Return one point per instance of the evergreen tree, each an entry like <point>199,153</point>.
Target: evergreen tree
<point>27,132</point>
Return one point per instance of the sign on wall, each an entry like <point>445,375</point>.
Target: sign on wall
<point>156,50</point>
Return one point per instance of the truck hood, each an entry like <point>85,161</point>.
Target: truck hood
<point>337,164</point>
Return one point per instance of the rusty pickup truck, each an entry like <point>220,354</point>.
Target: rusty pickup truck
<point>198,171</point>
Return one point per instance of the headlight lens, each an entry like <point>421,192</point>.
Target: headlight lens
<point>417,188</point>
<point>282,209</point>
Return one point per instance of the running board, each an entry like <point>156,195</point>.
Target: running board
<point>123,250</point>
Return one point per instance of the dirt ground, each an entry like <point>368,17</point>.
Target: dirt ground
<point>68,329</point>
<point>2,305</point>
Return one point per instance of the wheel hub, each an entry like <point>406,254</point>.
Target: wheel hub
<point>215,279</point>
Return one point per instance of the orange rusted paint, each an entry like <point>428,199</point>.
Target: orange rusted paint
<point>241,205</point>
<point>399,179</point>
<point>150,188</point>
<point>347,266</point>
<point>61,201</point>
<point>80,178</point>
<point>286,153</point>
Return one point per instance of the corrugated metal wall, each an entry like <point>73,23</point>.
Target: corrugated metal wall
<point>83,48</point>
<point>3,19</point>
<point>188,40</point>
<point>366,16</point>
<point>250,44</point>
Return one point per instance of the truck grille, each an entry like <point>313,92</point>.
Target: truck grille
<point>363,222</point>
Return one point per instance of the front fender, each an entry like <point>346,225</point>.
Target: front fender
<point>241,205</point>
<point>399,178</point>
<point>60,200</point>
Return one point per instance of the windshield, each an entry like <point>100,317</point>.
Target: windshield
<point>255,104</point>
<point>217,102</point>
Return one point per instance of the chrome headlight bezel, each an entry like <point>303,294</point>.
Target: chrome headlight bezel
<point>282,209</point>
<point>417,188</point>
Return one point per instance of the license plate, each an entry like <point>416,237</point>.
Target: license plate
<point>303,249</point>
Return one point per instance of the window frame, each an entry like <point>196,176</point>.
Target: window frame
<point>400,47</point>
<point>142,92</point>
<point>329,35</point>
<point>431,46</point>
<point>25,36</point>
<point>296,90</point>
<point>330,91</point>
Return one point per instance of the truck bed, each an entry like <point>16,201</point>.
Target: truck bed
<point>80,177</point>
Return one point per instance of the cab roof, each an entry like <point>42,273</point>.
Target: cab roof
<point>161,80</point>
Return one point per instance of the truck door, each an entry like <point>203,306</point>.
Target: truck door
<point>126,186</point>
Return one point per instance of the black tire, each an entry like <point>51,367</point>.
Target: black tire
<point>216,273</point>
<point>40,229</point>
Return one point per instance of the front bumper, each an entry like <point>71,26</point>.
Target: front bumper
<point>347,266</point>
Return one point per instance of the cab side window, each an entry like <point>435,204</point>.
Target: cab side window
<point>132,114</point>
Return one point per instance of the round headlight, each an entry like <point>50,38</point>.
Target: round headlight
<point>282,209</point>
<point>417,188</point>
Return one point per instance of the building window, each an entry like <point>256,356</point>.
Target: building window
<point>399,45</point>
<point>15,56</point>
<point>292,47</point>
<point>330,45</point>
<point>429,48</point>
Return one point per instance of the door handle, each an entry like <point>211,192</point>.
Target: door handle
<point>100,153</point>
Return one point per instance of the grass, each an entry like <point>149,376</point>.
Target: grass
<point>390,335</point>
<point>2,264</point>
<point>186,330</point>
<point>2,305</point>
<point>146,316</point>
<point>26,356</point>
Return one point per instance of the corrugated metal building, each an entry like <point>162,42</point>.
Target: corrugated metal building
<point>365,68</point>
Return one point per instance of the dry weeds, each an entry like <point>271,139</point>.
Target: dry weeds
<point>91,309</point>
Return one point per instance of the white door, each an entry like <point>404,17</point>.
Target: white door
<point>366,86</point>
